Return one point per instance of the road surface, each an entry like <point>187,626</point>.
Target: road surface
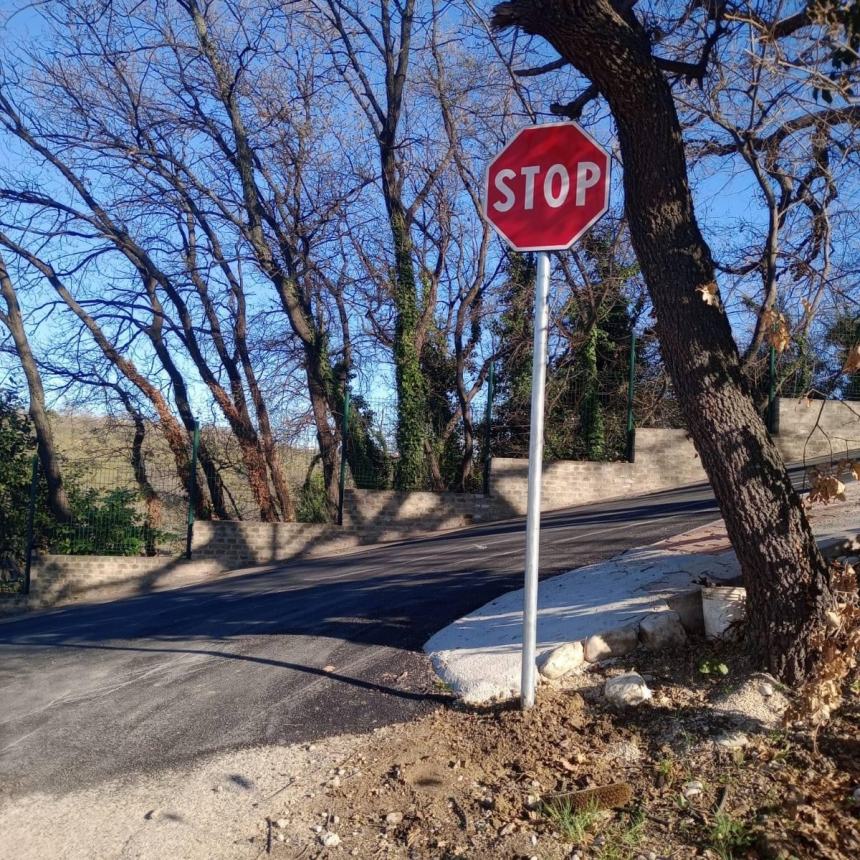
<point>94,692</point>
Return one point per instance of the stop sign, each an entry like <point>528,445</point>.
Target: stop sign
<point>547,186</point>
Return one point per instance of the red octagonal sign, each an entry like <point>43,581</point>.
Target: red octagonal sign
<point>547,187</point>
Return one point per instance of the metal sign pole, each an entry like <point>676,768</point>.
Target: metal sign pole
<point>527,686</point>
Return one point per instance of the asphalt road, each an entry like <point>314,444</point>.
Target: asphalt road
<point>93,692</point>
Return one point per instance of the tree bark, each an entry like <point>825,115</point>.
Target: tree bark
<point>787,581</point>
<point>58,501</point>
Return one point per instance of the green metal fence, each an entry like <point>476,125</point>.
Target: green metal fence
<point>119,510</point>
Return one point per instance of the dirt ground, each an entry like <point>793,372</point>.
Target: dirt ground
<point>493,783</point>
<point>693,772</point>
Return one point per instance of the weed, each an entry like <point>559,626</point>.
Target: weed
<point>667,772</point>
<point>572,824</point>
<point>713,667</point>
<point>728,835</point>
<point>621,839</point>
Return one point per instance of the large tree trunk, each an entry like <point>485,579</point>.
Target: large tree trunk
<point>785,576</point>
<point>57,499</point>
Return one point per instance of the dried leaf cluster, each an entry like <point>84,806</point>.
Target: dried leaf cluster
<point>776,325</point>
<point>710,295</point>
<point>837,643</point>
<point>852,361</point>
<point>825,484</point>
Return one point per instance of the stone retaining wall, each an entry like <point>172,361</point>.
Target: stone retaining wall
<point>664,459</point>
<point>667,459</point>
<point>385,515</point>
<point>60,579</point>
<point>241,544</point>
<point>808,430</point>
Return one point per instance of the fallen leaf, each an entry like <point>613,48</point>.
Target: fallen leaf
<point>825,488</point>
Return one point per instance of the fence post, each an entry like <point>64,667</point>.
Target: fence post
<point>192,488</point>
<point>31,522</point>
<point>772,399</point>
<point>488,426</point>
<point>631,390</point>
<point>344,437</point>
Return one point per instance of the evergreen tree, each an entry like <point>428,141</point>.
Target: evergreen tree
<point>514,332</point>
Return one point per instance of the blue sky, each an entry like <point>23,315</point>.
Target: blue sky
<point>725,200</point>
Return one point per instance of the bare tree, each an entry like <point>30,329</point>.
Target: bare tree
<point>14,321</point>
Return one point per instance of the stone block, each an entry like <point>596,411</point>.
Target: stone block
<point>611,643</point>
<point>661,631</point>
<point>562,660</point>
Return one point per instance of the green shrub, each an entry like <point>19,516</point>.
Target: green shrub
<point>16,453</point>
<point>105,523</point>
<point>312,500</point>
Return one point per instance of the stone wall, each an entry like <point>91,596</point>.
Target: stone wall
<point>667,458</point>
<point>241,544</point>
<point>808,430</point>
<point>217,547</point>
<point>385,515</point>
<point>60,579</point>
<point>664,459</point>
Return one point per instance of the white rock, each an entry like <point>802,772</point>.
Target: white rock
<point>317,828</point>
<point>334,782</point>
<point>281,823</point>
<point>612,643</point>
<point>627,689</point>
<point>329,840</point>
<point>766,688</point>
<point>733,740</point>
<point>661,631</point>
<point>562,660</point>
<point>394,818</point>
<point>692,789</point>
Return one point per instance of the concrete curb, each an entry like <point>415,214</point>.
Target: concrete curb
<point>646,597</point>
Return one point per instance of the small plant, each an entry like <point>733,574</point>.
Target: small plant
<point>667,772</point>
<point>729,836</point>
<point>622,838</point>
<point>713,667</point>
<point>571,823</point>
